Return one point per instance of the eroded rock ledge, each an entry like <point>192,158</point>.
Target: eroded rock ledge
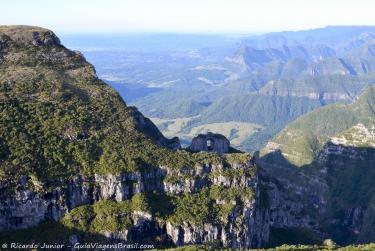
<point>244,225</point>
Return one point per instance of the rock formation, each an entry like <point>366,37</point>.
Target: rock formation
<point>244,226</point>
<point>210,142</point>
<point>74,155</point>
<point>72,152</point>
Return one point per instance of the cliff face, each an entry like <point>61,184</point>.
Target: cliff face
<point>348,161</point>
<point>76,163</point>
<point>296,200</point>
<point>334,189</point>
<point>243,225</point>
<point>72,153</point>
<point>303,139</point>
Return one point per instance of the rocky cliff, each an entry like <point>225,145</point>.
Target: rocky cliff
<point>330,155</point>
<point>77,163</point>
<point>234,218</point>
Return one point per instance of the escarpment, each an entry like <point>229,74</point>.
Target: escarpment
<point>215,205</point>
<point>78,163</point>
<point>330,155</point>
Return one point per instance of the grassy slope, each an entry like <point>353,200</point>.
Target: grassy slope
<point>301,140</point>
<point>58,119</point>
<point>236,132</point>
<point>272,112</point>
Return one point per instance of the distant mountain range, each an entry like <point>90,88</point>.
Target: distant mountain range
<point>77,164</point>
<point>265,81</point>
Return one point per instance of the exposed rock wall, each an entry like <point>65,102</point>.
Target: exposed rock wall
<point>210,142</point>
<point>297,203</point>
<point>246,226</point>
<point>28,208</point>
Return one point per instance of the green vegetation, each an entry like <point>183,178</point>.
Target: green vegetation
<point>59,120</point>
<point>102,216</point>
<point>270,112</point>
<point>111,216</point>
<point>203,207</point>
<point>195,208</point>
<point>235,132</point>
<point>237,158</point>
<point>301,141</point>
<point>341,135</point>
<point>366,247</point>
<point>351,192</point>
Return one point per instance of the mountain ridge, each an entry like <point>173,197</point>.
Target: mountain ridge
<point>314,129</point>
<point>334,69</point>
<point>76,163</point>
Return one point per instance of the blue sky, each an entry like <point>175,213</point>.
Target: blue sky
<point>222,16</point>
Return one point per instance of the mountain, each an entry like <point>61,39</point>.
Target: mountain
<point>330,35</point>
<point>78,164</point>
<point>52,97</point>
<point>195,85</point>
<point>301,140</point>
<point>268,112</point>
<point>330,152</point>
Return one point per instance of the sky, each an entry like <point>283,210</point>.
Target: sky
<point>185,16</point>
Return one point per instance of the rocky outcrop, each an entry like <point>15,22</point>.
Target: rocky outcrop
<point>28,208</point>
<point>297,203</point>
<point>147,127</point>
<point>289,207</point>
<point>210,142</point>
<point>275,204</point>
<point>322,196</point>
<point>246,204</point>
<point>358,135</point>
<point>245,226</point>
<point>26,35</point>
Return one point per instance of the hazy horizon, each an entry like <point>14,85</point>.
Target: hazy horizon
<point>185,17</point>
<point>192,33</point>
